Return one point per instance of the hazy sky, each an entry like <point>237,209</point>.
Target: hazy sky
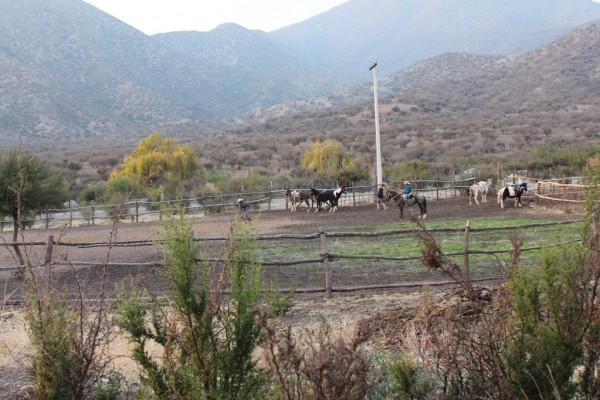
<point>154,16</point>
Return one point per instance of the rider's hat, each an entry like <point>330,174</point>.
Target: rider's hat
<point>406,182</point>
<point>238,200</point>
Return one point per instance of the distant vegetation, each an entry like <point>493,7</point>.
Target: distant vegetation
<point>536,112</point>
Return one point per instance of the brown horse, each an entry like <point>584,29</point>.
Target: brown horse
<point>417,199</point>
<point>297,197</point>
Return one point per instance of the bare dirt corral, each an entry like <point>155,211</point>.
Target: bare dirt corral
<point>342,310</point>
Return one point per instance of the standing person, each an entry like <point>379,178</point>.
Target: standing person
<point>407,190</point>
<point>243,210</point>
<point>380,199</point>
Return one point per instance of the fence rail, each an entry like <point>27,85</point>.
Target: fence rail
<point>134,211</point>
<point>322,255</point>
<point>556,192</point>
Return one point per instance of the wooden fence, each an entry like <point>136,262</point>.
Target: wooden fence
<point>555,192</point>
<point>321,254</point>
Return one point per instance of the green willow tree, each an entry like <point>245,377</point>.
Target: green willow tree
<point>27,187</point>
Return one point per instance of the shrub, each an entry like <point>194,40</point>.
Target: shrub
<point>316,364</point>
<point>207,339</point>
<point>69,342</point>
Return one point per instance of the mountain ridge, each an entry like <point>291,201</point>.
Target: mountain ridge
<point>70,72</point>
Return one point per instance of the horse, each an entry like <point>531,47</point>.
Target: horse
<point>479,187</point>
<point>328,196</point>
<point>417,199</point>
<point>297,197</point>
<point>515,191</point>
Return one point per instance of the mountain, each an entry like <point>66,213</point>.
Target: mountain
<point>255,55</point>
<point>70,70</point>
<point>562,74</point>
<point>497,109</point>
<point>399,33</point>
<point>72,74</point>
<point>449,66</point>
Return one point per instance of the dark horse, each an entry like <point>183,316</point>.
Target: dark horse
<point>329,196</point>
<point>515,191</point>
<point>417,199</point>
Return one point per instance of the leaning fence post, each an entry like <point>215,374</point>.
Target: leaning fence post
<point>325,258</point>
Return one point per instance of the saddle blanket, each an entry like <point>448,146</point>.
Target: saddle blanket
<point>511,191</point>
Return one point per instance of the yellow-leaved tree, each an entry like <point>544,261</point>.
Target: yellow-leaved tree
<point>159,161</point>
<point>330,161</point>
<point>326,158</point>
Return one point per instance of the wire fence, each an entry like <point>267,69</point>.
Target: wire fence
<point>144,210</point>
<point>565,190</point>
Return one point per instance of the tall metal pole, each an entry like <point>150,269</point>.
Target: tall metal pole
<point>377,140</point>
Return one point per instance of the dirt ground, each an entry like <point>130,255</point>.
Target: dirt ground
<point>342,310</point>
<point>347,218</point>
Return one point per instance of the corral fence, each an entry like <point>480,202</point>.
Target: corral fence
<point>555,192</point>
<point>145,210</point>
<point>321,253</point>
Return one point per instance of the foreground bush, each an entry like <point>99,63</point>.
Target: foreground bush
<point>69,339</point>
<point>206,338</point>
<point>538,339</point>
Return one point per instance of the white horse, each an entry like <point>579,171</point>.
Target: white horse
<point>480,187</point>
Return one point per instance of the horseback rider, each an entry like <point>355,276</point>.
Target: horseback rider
<point>407,193</point>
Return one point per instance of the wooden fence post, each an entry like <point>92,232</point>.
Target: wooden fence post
<point>93,221</point>
<point>466,248</point>
<point>270,196</point>
<point>137,211</point>
<point>47,219</point>
<point>48,260</point>
<point>160,212</point>
<point>70,215</point>
<point>325,258</point>
<point>467,276</point>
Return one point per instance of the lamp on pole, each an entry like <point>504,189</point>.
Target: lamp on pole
<point>377,140</point>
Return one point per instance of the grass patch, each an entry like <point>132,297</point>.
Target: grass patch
<point>406,244</point>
